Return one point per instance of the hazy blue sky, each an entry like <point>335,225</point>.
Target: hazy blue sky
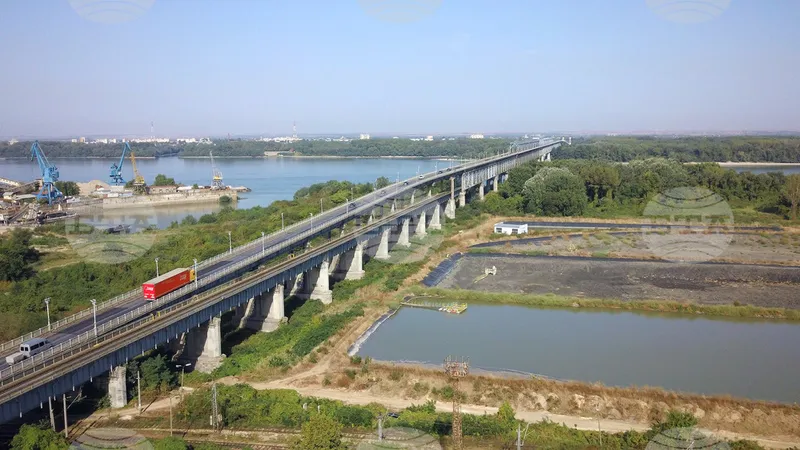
<point>210,67</point>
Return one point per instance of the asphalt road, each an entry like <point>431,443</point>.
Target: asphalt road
<point>363,205</point>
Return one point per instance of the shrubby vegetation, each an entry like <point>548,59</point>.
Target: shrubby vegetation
<point>60,149</point>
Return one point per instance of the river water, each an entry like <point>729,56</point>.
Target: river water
<point>753,359</point>
<point>269,178</point>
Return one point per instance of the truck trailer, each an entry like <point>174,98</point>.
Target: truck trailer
<point>164,284</point>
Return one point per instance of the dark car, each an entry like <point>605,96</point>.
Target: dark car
<point>393,414</point>
<point>353,205</point>
<point>406,183</point>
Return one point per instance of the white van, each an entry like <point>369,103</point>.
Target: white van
<point>34,347</point>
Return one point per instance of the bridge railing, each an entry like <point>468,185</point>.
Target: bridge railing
<point>122,298</point>
<point>29,365</point>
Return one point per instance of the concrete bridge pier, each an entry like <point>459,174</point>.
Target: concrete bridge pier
<point>450,209</point>
<point>480,190</point>
<point>462,198</point>
<point>268,310</point>
<point>351,264</point>
<point>317,285</point>
<point>412,197</point>
<point>117,387</point>
<point>383,246</point>
<point>420,231</point>
<point>204,346</point>
<point>296,285</point>
<point>403,238</point>
<point>495,183</point>
<point>436,221</point>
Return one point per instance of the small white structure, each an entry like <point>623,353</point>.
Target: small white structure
<point>511,228</point>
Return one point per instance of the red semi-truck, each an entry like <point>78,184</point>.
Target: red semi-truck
<point>167,283</point>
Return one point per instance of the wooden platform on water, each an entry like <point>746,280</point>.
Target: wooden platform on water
<point>452,308</point>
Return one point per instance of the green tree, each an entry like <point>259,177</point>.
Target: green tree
<point>31,437</point>
<point>555,191</point>
<point>162,180</point>
<point>320,432</point>
<point>382,182</point>
<point>792,192</point>
<point>17,255</point>
<point>505,416</point>
<point>68,188</point>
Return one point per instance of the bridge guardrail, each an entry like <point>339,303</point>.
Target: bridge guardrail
<point>14,343</point>
<point>89,340</point>
<point>13,370</point>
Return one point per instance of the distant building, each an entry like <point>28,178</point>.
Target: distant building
<point>186,141</point>
<point>112,141</point>
<point>510,228</point>
<point>82,140</point>
<point>12,142</point>
<point>429,138</point>
<point>476,136</point>
<point>162,189</point>
<point>74,141</point>
<point>364,136</point>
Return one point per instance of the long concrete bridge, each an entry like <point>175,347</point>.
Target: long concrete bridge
<point>252,280</point>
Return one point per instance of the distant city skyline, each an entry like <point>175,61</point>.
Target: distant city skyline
<point>215,68</point>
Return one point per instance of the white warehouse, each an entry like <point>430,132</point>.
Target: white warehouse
<point>511,228</point>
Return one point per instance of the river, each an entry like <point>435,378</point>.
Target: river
<point>269,178</point>
<point>752,359</point>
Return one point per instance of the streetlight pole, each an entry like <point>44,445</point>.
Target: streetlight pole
<point>47,306</point>
<point>282,226</point>
<point>230,243</point>
<point>156,266</point>
<point>94,314</point>
<point>196,275</point>
<point>312,220</point>
<point>320,206</point>
<point>263,242</point>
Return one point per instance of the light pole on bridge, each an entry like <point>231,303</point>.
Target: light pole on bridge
<point>230,243</point>
<point>47,306</point>
<point>312,220</point>
<point>263,242</point>
<point>196,275</point>
<point>282,226</point>
<point>94,315</point>
<point>156,266</point>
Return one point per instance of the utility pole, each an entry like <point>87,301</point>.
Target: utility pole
<point>139,391</point>
<point>456,368</point>
<point>380,428</point>
<point>214,408</point>
<point>521,437</point>
<point>52,416</point>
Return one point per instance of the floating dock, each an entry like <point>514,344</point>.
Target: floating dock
<point>451,308</point>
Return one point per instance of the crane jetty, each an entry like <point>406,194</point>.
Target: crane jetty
<point>450,308</point>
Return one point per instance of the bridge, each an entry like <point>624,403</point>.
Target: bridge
<point>252,280</point>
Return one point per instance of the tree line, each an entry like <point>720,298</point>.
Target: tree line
<point>598,188</point>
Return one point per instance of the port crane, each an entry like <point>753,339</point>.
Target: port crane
<point>48,190</point>
<point>138,179</point>
<point>216,175</point>
<point>116,169</point>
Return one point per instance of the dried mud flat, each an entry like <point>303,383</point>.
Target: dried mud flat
<point>765,286</point>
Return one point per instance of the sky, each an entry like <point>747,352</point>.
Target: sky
<point>244,67</point>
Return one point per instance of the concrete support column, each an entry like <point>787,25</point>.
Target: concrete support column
<point>547,158</point>
<point>394,203</point>
<point>370,220</point>
<point>117,388</point>
<point>452,188</point>
<point>430,193</point>
<point>383,246</point>
<point>403,239</point>
<point>436,220</point>
<point>356,269</point>
<point>420,231</point>
<point>450,209</point>
<point>318,284</point>
<point>296,285</point>
<point>495,183</point>
<point>480,191</point>
<point>204,344</point>
<point>268,310</point>
<point>412,197</point>
<point>462,199</point>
